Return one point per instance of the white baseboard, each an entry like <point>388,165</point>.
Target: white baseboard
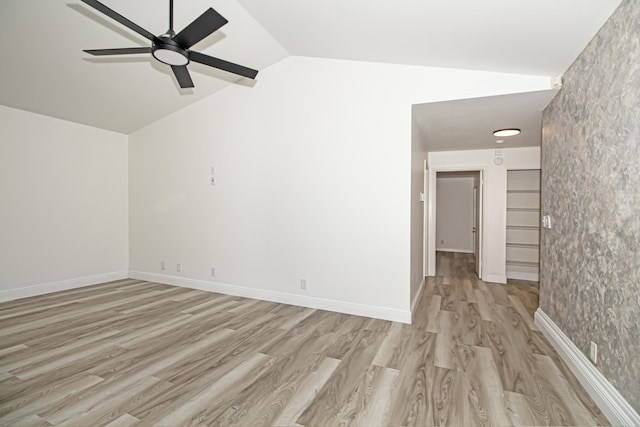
<point>521,275</point>
<point>62,285</point>
<point>495,278</point>
<point>462,251</point>
<point>612,404</point>
<point>383,313</point>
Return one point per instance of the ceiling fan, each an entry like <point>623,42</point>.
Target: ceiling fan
<point>173,49</point>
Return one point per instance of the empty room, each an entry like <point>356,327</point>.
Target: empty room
<point>312,213</point>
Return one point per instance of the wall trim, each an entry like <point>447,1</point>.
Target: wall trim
<point>495,278</point>
<point>612,404</point>
<point>62,285</point>
<point>416,298</point>
<point>403,316</point>
<point>521,275</point>
<point>461,251</point>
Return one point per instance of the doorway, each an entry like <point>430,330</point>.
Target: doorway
<point>458,214</point>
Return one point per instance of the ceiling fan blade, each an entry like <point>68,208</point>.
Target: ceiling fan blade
<point>182,75</point>
<point>223,65</point>
<point>204,25</point>
<point>121,19</point>
<point>119,51</point>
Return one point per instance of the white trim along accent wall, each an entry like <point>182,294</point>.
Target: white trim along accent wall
<point>612,404</point>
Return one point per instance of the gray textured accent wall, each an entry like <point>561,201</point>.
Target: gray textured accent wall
<point>590,260</point>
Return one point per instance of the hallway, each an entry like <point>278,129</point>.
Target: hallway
<point>501,369</point>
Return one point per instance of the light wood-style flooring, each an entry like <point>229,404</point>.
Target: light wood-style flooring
<point>139,353</point>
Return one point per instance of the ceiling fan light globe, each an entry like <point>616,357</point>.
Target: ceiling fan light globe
<point>170,57</point>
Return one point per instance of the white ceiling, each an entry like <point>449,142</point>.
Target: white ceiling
<point>45,71</point>
<point>537,37</point>
<point>468,124</point>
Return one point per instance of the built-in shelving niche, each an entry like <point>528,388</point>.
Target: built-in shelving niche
<point>523,224</point>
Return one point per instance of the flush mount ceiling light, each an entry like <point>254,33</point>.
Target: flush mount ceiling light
<point>501,133</point>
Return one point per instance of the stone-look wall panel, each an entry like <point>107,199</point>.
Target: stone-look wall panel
<point>590,260</point>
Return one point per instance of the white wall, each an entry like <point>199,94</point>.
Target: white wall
<point>315,180</point>
<point>418,172</point>
<point>495,199</point>
<point>63,221</point>
<point>454,215</point>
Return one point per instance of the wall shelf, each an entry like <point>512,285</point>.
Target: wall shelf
<point>522,227</point>
<point>523,209</point>
<point>523,245</point>
<point>522,264</point>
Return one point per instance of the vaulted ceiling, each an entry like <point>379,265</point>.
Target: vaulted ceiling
<point>45,71</point>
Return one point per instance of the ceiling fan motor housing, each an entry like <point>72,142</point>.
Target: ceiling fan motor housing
<point>169,52</point>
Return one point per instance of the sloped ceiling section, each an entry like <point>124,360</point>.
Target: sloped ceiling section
<point>534,37</point>
<point>45,71</point>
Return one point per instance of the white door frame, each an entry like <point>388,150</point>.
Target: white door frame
<point>477,217</point>
<point>430,213</point>
<point>425,216</point>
